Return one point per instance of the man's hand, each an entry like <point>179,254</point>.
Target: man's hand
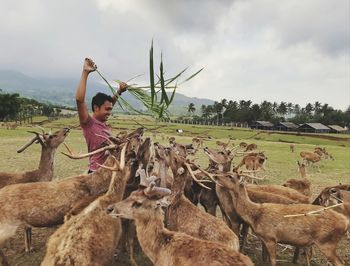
<point>89,65</point>
<point>122,87</point>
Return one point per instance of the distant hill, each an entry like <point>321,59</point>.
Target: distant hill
<point>62,91</point>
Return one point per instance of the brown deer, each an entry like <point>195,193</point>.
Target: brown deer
<point>269,223</point>
<point>333,195</point>
<point>45,171</point>
<point>197,142</point>
<point>251,147</point>
<point>323,153</point>
<point>171,140</point>
<point>253,161</point>
<point>185,217</point>
<point>222,145</point>
<point>165,247</point>
<point>90,238</point>
<point>310,157</point>
<point>292,147</point>
<point>44,204</point>
<point>302,185</point>
<point>243,145</point>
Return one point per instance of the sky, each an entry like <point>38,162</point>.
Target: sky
<point>276,50</point>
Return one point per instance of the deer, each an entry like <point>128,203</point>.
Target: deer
<point>334,195</point>
<point>243,145</point>
<point>251,147</point>
<point>222,145</point>
<point>40,210</point>
<point>289,224</point>
<point>253,161</point>
<point>165,247</point>
<point>323,153</point>
<point>90,238</point>
<point>310,157</point>
<point>184,216</point>
<point>302,185</point>
<point>197,142</point>
<point>45,172</point>
<point>292,147</point>
<point>171,140</point>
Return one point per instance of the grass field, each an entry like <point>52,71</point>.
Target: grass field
<point>281,165</point>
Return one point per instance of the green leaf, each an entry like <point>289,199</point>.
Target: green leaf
<point>151,75</point>
<point>109,85</point>
<point>191,76</point>
<point>173,94</point>
<point>168,81</point>
<point>162,83</point>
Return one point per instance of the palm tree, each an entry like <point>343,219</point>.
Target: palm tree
<point>191,108</point>
<point>317,107</point>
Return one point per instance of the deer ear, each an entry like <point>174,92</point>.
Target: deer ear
<point>162,203</point>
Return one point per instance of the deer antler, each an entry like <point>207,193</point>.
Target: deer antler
<point>25,146</point>
<point>206,173</point>
<point>194,177</point>
<point>81,156</point>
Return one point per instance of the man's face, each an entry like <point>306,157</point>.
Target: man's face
<point>102,113</point>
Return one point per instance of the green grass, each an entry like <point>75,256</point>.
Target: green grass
<point>281,164</point>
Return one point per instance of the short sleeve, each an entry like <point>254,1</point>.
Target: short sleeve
<point>88,123</point>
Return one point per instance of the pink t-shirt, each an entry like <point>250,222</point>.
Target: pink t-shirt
<point>90,129</point>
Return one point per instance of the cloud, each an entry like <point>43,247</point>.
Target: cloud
<point>275,50</point>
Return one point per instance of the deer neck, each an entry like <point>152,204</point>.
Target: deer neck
<point>152,235</point>
<point>302,172</point>
<point>162,173</point>
<point>46,165</point>
<point>246,209</point>
<point>177,189</point>
<point>116,188</point>
<point>98,181</point>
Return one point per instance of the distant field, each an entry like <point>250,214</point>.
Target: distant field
<point>281,164</point>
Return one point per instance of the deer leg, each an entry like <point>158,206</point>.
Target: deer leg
<point>28,239</point>
<point>244,233</point>
<point>271,249</point>
<point>329,250</point>
<point>263,252</point>
<point>296,255</point>
<point>130,236</point>
<point>3,260</point>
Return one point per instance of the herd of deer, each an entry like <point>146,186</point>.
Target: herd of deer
<point>159,188</point>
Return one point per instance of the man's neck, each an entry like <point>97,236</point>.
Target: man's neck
<point>99,120</point>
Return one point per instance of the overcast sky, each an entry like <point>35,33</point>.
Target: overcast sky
<point>276,50</point>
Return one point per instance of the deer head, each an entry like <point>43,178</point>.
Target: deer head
<point>141,204</point>
<point>47,140</point>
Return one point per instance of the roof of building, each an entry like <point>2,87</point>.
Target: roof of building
<point>288,124</point>
<point>337,128</point>
<point>265,123</point>
<point>316,126</point>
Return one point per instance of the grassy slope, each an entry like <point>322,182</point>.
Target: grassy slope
<point>281,163</point>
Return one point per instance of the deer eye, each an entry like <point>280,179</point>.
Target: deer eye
<point>136,204</point>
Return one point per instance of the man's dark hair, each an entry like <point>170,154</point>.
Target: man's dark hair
<point>99,99</point>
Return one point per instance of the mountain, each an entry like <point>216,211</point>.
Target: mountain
<point>62,91</point>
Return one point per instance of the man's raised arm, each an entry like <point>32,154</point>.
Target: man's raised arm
<point>89,66</point>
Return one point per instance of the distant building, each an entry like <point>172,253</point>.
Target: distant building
<point>337,129</point>
<point>314,128</point>
<point>286,126</point>
<point>265,125</point>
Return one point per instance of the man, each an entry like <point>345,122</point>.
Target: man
<point>95,125</point>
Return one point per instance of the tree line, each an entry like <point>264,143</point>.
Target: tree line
<point>13,107</point>
<point>226,111</point>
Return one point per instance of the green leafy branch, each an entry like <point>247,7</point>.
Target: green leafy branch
<point>147,95</point>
